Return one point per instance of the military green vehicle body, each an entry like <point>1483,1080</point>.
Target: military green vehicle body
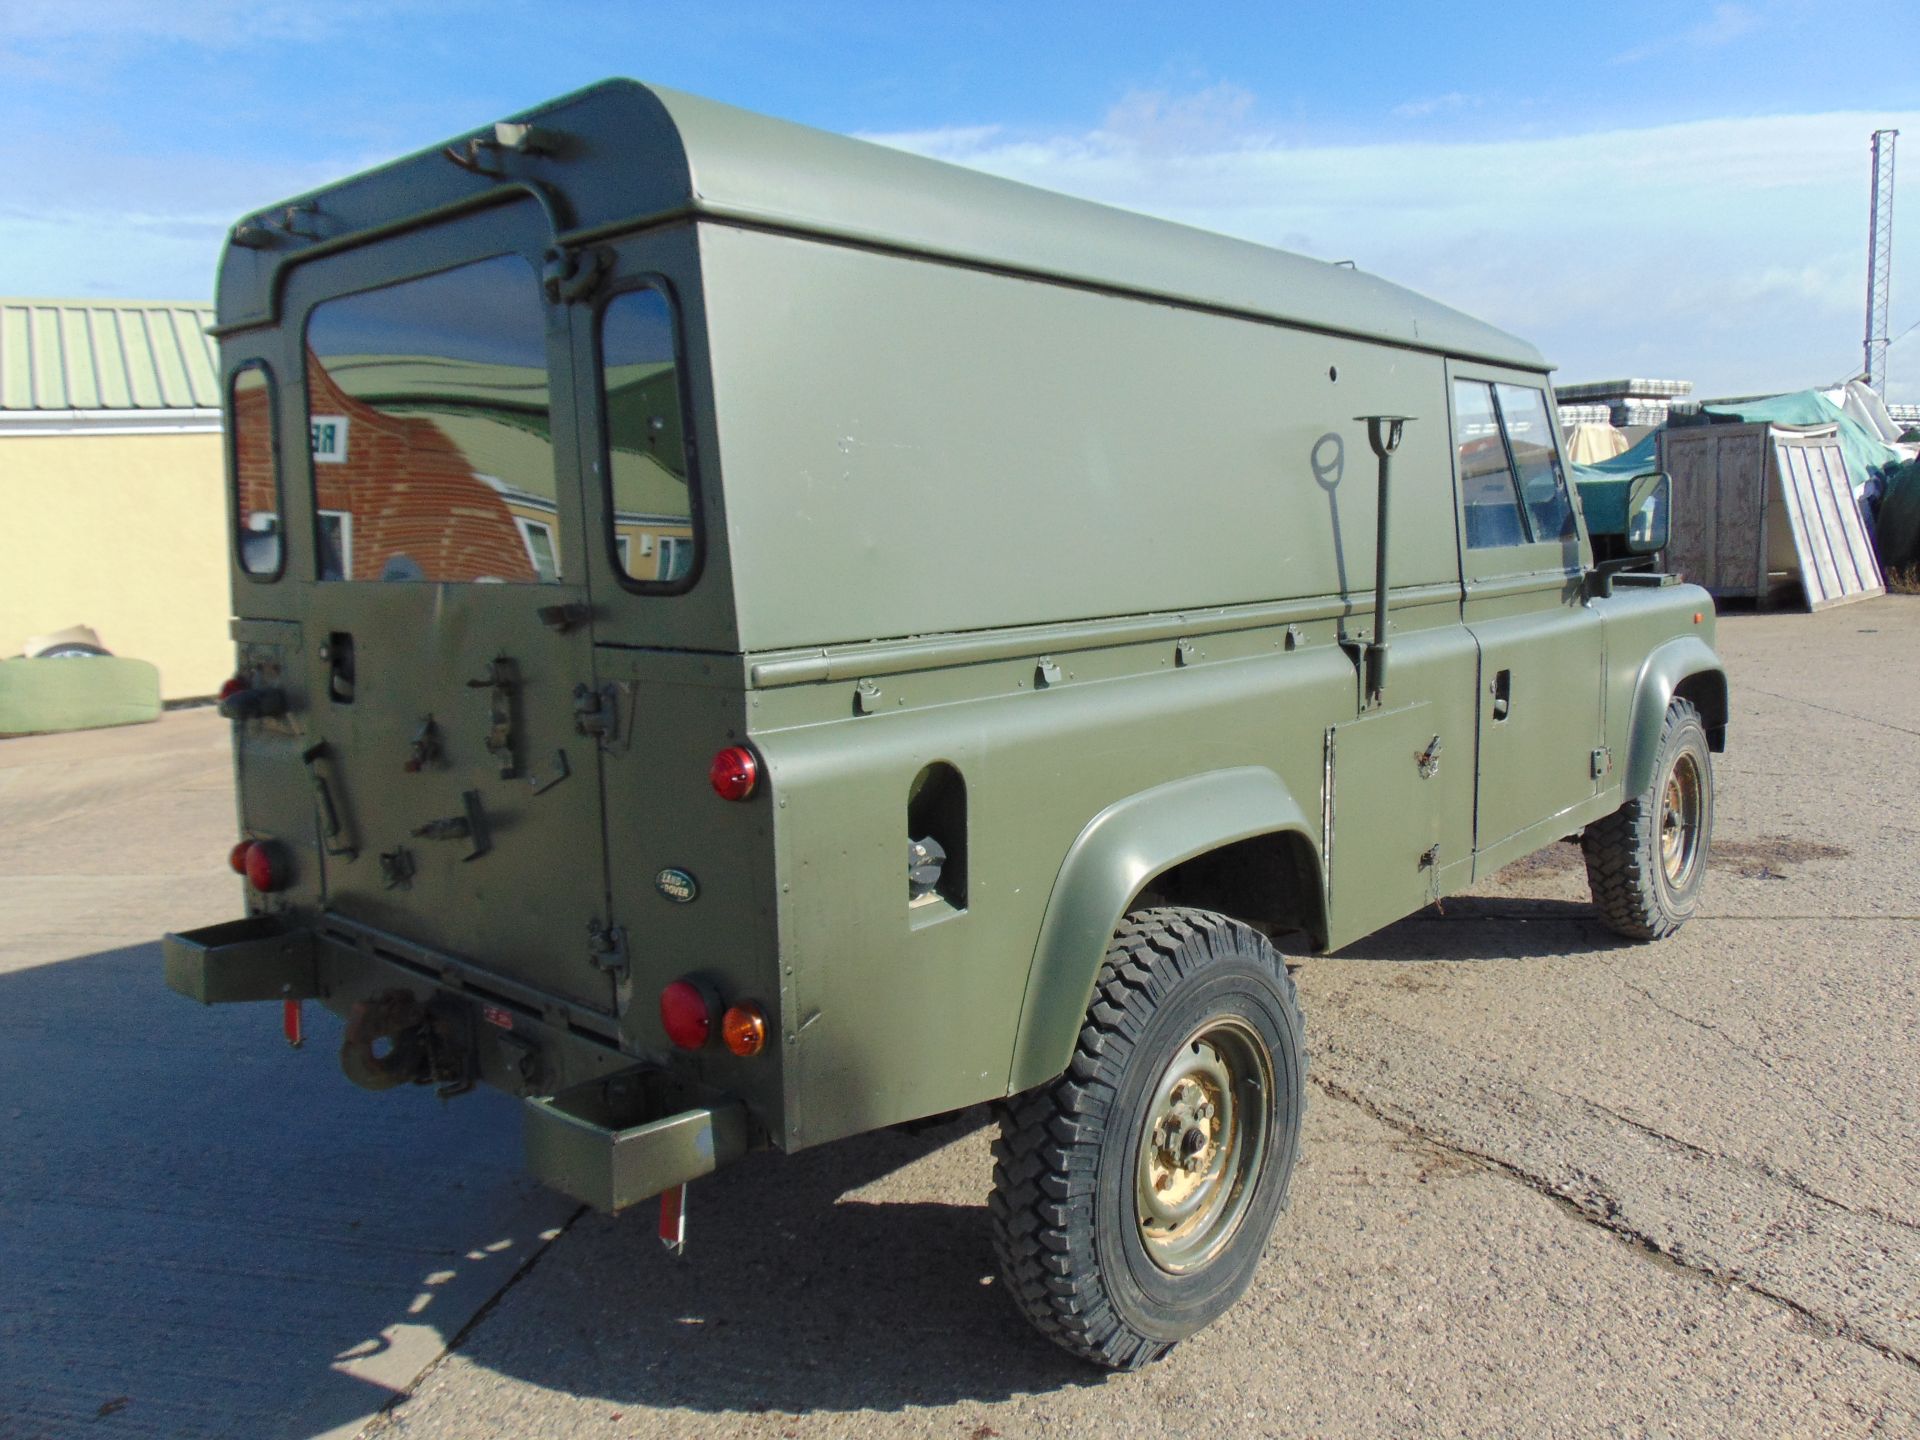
<point>1039,528</point>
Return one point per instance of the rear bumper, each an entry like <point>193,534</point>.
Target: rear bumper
<point>617,1142</point>
<point>257,958</point>
<point>615,1131</point>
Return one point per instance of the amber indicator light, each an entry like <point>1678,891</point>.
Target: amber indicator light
<point>744,1030</point>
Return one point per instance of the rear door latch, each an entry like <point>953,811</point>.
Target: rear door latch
<point>502,679</point>
<point>597,712</point>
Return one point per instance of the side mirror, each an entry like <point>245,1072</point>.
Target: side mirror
<point>1649,506</point>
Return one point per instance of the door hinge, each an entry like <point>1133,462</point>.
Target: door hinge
<point>607,952</point>
<point>1602,762</point>
<point>596,713</point>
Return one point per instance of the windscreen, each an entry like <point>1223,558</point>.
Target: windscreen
<point>432,440</point>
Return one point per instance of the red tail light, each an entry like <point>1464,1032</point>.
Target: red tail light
<point>734,773</point>
<point>268,869</point>
<point>686,1013</point>
<point>237,857</point>
<point>234,686</point>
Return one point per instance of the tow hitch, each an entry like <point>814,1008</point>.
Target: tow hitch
<point>394,1039</point>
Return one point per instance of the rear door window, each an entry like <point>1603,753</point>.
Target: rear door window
<point>653,515</point>
<point>430,430</point>
<point>253,441</point>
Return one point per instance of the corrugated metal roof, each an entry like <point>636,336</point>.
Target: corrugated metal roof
<point>106,355</point>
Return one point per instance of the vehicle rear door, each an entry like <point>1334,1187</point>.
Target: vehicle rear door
<point>453,748</point>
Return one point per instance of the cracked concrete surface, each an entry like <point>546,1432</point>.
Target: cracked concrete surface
<point>1553,1184</point>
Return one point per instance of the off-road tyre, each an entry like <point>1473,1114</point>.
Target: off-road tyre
<point>1643,886</point>
<point>1178,988</point>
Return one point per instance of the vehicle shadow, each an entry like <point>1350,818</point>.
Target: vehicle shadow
<point>205,1233</point>
<point>1480,928</point>
<point>794,1296</point>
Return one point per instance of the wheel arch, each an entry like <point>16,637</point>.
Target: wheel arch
<point>1230,840</point>
<point>1686,669</point>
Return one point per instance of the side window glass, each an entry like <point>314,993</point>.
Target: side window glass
<point>652,504</point>
<point>1487,488</point>
<point>1536,458</point>
<point>253,455</point>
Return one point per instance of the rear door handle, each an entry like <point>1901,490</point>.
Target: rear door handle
<point>1502,694</point>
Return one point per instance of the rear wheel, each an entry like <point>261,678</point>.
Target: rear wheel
<point>1646,861</point>
<point>1134,1195</point>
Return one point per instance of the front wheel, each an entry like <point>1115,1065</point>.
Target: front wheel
<point>1646,861</point>
<point>1134,1195</point>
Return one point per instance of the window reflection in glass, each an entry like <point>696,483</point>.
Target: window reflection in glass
<point>653,520</point>
<point>1537,458</point>
<point>250,428</point>
<point>430,433</point>
<point>1486,478</point>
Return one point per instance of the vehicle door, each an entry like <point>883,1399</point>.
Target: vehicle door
<point>448,618</point>
<point>1523,562</point>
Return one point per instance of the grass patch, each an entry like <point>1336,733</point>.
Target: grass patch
<point>1904,579</point>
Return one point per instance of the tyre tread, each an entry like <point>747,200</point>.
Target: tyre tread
<point>1621,859</point>
<point>1041,1211</point>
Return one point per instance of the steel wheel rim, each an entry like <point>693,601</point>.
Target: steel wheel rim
<point>1680,816</point>
<point>1202,1144</point>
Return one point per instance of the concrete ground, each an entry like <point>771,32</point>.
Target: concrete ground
<point>1553,1185</point>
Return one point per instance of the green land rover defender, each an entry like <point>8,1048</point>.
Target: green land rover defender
<point>746,637</point>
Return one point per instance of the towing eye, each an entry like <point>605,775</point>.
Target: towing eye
<point>423,1046</point>
<point>395,1017</point>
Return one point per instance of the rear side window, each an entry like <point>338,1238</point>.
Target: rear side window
<point>1536,460</point>
<point>253,442</point>
<point>653,515</point>
<point>431,435</point>
<point>1487,486</point>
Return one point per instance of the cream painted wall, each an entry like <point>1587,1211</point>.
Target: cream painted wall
<point>126,533</point>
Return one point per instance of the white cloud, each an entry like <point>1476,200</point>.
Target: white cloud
<point>1729,252</point>
<point>1437,105</point>
<point>1723,25</point>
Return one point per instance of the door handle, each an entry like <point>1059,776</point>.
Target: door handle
<point>1502,694</point>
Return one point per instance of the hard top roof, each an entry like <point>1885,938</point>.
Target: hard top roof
<point>620,154</point>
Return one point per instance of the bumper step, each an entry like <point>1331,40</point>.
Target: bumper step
<point>619,1141</point>
<point>257,958</point>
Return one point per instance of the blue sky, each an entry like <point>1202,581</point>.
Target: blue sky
<point>1656,189</point>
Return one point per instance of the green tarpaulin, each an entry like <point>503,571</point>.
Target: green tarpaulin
<point>1864,451</point>
<point>1603,487</point>
<point>1898,525</point>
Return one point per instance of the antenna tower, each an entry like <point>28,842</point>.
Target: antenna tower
<point>1879,259</point>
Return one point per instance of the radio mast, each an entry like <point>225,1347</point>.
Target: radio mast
<point>1879,259</point>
